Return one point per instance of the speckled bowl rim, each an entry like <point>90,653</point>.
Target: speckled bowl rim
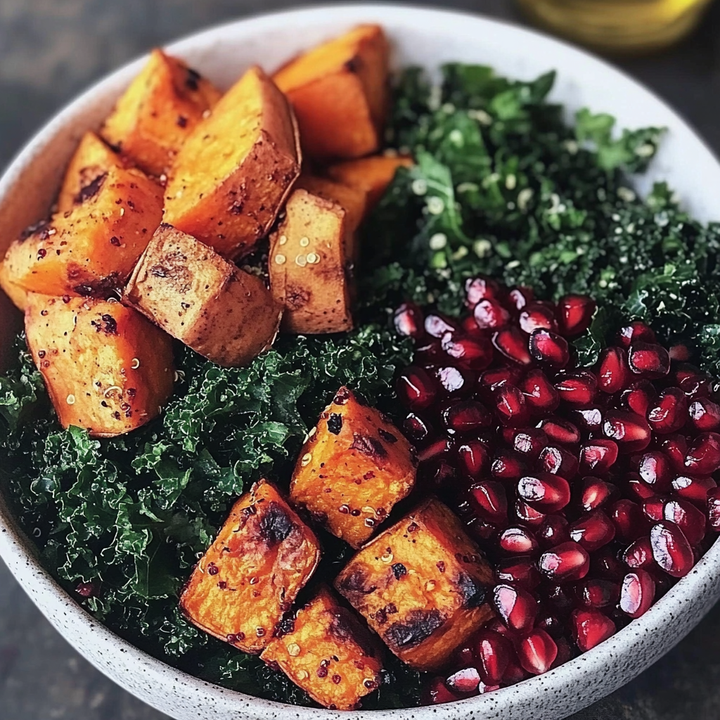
<point>565,689</point>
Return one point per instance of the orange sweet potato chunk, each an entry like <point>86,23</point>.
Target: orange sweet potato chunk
<point>92,249</point>
<point>221,312</point>
<point>261,559</point>
<point>235,170</point>
<point>421,585</point>
<point>328,653</point>
<point>339,91</point>
<point>353,470</point>
<point>159,110</point>
<point>106,368</point>
<point>17,294</point>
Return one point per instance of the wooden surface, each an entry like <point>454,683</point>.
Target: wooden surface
<point>50,50</point>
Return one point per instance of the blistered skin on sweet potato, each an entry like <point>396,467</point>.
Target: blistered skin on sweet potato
<point>421,585</point>
<point>372,175</point>
<point>233,174</point>
<point>92,249</point>
<point>92,159</point>
<point>221,312</point>
<point>159,110</point>
<point>325,650</point>
<point>261,559</point>
<point>339,91</point>
<point>353,470</point>
<point>106,368</point>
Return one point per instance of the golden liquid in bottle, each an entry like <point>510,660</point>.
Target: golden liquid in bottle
<point>618,25</point>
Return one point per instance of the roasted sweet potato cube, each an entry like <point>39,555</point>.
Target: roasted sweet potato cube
<point>106,368</point>
<point>421,585</point>
<point>372,175</point>
<point>17,294</point>
<point>158,111</point>
<point>92,249</point>
<point>92,159</point>
<point>327,652</point>
<point>339,91</point>
<point>225,314</point>
<point>249,578</point>
<point>353,470</point>
<point>235,170</point>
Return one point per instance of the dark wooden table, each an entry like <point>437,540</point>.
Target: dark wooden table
<point>50,50</point>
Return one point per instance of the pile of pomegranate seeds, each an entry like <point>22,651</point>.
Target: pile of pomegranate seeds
<point>590,490</point>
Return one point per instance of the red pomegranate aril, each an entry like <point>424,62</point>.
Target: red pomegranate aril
<point>517,541</point>
<point>514,674</point>
<point>713,509</point>
<point>518,570</point>
<point>517,607</point>
<point>687,517</point>
<point>454,381</point>
<point>520,297</point>
<point>435,450</point>
<point>695,489</point>
<point>636,331</point>
<point>490,315</point>
<point>553,531</point>
<point>639,554</point>
<point>577,388</point>
<point>696,385</point>
<point>429,353</point>
<point>529,442</point>
<point>654,509</point>
<point>540,394</point>
<point>481,288</point>
<point>409,321</point>
<point>416,428</point>
<point>594,493</point>
<point>527,515</point>
<point>648,359</point>
<point>473,459</point>
<point>549,348</point>
<point>537,652</point>
<point>628,519</point>
<point>638,488</point>
<point>552,625</point>
<point>605,564</point>
<point>489,500</point>
<point>560,431</point>
<point>704,415</point>
<point>614,374</point>
<point>481,530</point>
<point>637,593</point>
<point>589,419</point>
<point>597,593</point>
<point>466,416</point>
<point>537,317</point>
<point>464,657</point>
<point>466,352</point>
<point>544,492</point>
<point>671,549</point>
<point>565,563</point>
<point>590,628</point>
<point>656,470</point>
<point>676,448</point>
<point>669,412</point>
<point>565,651</point>
<point>560,598</point>
<point>512,344</point>
<point>416,389</point>
<point>630,431</point>
<point>438,693</point>
<point>593,531</point>
<point>597,456</point>
<point>510,406</point>
<point>558,461</point>
<point>575,313</point>
<point>464,682</point>
<point>495,378</point>
<point>703,458</point>
<point>494,653</point>
<point>437,325</point>
<point>639,397</point>
<point>508,466</point>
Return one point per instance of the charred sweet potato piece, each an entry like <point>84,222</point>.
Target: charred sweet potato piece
<point>421,586</point>
<point>353,470</point>
<point>324,649</point>
<point>92,249</point>
<point>17,294</point>
<point>252,573</point>
<point>92,159</point>
<point>106,368</point>
<point>158,111</point>
<point>339,91</point>
<point>225,314</point>
<point>232,175</point>
<point>372,175</point>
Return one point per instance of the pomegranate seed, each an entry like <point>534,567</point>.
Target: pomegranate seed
<point>467,352</point>
<point>703,458</point>
<point>560,598</point>
<point>687,517</point>
<point>637,593</point>
<point>514,674</point>
<point>675,447</point>
<point>537,317</point>
<point>473,459</point>
<point>630,431</point>
<point>671,549</point>
<point>416,428</point>
<point>489,500</point>
<point>636,331</point>
<point>416,389</point>
<point>464,657</point>
<point>435,450</point>
<point>508,466</point>
<point>598,593</point>
<point>669,413</point>
<point>518,570</point>
<point>588,419</point>
<point>713,506</point>
<point>494,653</point>
<point>568,562</point>
<point>512,344</point>
<point>648,359</point>
<point>593,531</point>
<point>438,325</point>
<point>552,625</point>
<point>639,397</point>
<point>490,315</point>
<point>496,378</point>
<point>604,564</point>
<point>528,515</point>
<point>429,353</point>
<point>540,394</point>
<point>466,416</point>
<point>680,353</point>
<point>654,509</point>
<point>438,692</point>
<point>549,348</point>
<point>576,388</point>
<point>481,288</point>
<point>628,519</point>
<point>695,489</point>
<point>597,455</point>
<point>517,540</point>
<point>517,607</point>
<point>656,470</point>
<point>560,431</point>
<point>520,297</point>
<point>594,493</point>
<point>529,442</point>
<point>544,492</point>
<point>614,374</point>
<point>590,628</point>
<point>575,313</point>
<point>639,554</point>
<point>409,321</point>
<point>454,381</point>
<point>558,461</point>
<point>480,530</point>
<point>693,383</point>
<point>510,406</point>
<point>537,652</point>
<point>464,682</point>
<point>565,652</point>
<point>704,415</point>
<point>553,531</point>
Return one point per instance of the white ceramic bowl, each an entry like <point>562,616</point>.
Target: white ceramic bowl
<point>420,36</point>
